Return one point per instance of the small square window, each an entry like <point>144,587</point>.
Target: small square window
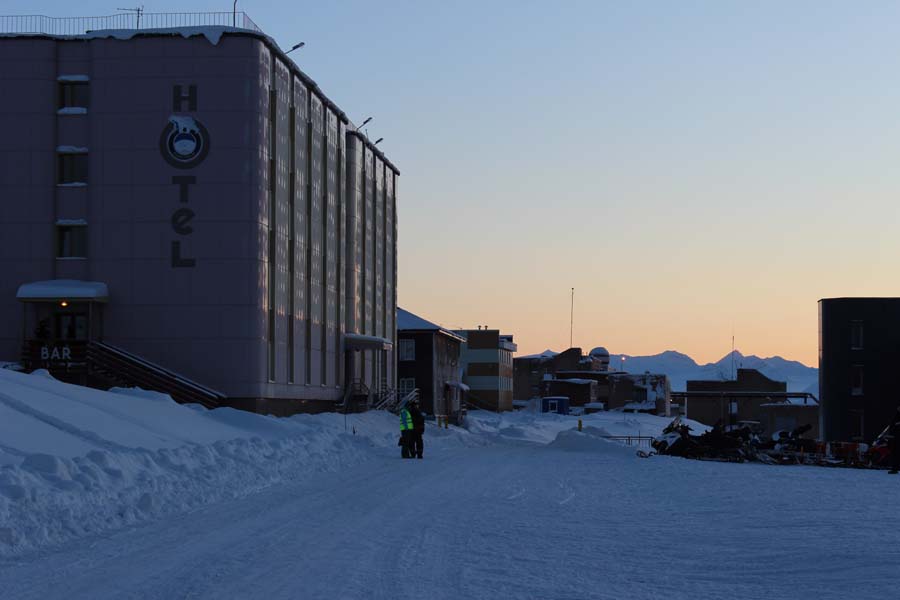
<point>407,349</point>
<point>71,241</point>
<point>73,94</point>
<point>73,168</point>
<point>406,385</point>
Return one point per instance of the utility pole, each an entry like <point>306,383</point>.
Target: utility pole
<point>572,317</point>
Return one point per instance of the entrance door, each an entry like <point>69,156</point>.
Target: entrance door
<point>71,326</point>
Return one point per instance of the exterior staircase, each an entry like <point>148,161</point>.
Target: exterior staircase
<point>118,367</point>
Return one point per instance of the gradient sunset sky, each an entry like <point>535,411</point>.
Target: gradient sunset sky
<point>691,168</point>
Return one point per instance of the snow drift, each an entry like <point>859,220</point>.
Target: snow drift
<point>76,461</point>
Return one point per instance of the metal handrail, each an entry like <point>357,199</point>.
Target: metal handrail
<point>42,24</point>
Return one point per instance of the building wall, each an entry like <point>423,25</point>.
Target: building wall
<point>851,412</point>
<point>421,368</point>
<point>263,285</point>
<point>488,363</point>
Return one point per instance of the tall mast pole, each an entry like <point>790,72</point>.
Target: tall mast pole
<point>571,317</point>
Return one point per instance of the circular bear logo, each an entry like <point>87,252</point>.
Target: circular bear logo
<point>184,142</point>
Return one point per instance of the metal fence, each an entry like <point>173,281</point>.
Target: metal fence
<point>641,441</point>
<point>40,24</point>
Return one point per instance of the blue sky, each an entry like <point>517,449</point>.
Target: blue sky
<point>691,168</point>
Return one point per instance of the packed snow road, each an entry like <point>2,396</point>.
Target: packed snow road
<point>579,517</point>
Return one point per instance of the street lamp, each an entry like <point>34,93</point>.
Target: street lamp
<point>296,47</point>
<point>363,123</point>
<point>377,141</point>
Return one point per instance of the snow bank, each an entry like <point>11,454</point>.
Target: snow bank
<point>76,461</point>
<point>591,440</point>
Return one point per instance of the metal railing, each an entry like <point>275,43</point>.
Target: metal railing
<point>41,24</point>
<point>641,441</point>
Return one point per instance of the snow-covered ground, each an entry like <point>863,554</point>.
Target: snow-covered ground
<point>148,499</point>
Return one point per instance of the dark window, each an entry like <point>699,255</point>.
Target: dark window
<point>71,326</point>
<point>856,335</point>
<point>73,94</point>
<point>406,385</point>
<point>856,380</point>
<point>407,349</point>
<point>71,241</point>
<point>73,168</point>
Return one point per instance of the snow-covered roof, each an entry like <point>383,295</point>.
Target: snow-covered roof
<point>71,222</point>
<point>213,33</point>
<point>811,403</point>
<point>407,321</point>
<point>72,110</point>
<point>72,78</point>
<point>458,384</point>
<point>578,381</point>
<point>648,405</point>
<point>63,289</point>
<point>544,355</point>
<point>366,342</point>
<point>71,150</point>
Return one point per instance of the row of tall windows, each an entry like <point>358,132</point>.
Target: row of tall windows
<point>72,168</point>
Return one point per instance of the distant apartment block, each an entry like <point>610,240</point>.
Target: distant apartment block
<point>859,366</point>
<point>487,360</point>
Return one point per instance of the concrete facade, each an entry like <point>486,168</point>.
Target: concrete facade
<point>243,261</point>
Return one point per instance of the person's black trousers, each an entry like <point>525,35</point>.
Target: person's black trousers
<point>417,445</point>
<point>406,444</point>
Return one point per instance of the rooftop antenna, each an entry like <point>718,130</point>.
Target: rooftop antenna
<point>572,318</point>
<point>138,11</point>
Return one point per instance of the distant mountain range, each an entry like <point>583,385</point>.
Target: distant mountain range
<point>681,367</point>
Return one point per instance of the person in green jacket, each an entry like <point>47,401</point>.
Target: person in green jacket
<point>406,433</point>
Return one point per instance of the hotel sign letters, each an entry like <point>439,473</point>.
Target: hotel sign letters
<point>184,144</point>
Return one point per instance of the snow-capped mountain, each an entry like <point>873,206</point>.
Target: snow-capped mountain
<point>681,367</point>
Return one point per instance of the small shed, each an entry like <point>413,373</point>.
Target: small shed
<point>555,404</point>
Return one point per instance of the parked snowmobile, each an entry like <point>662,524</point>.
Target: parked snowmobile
<point>879,453</point>
<point>715,444</point>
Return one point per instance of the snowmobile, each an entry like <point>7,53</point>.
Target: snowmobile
<point>716,444</point>
<point>879,453</point>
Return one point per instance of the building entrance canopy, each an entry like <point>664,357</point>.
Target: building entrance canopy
<point>356,341</point>
<point>63,289</point>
